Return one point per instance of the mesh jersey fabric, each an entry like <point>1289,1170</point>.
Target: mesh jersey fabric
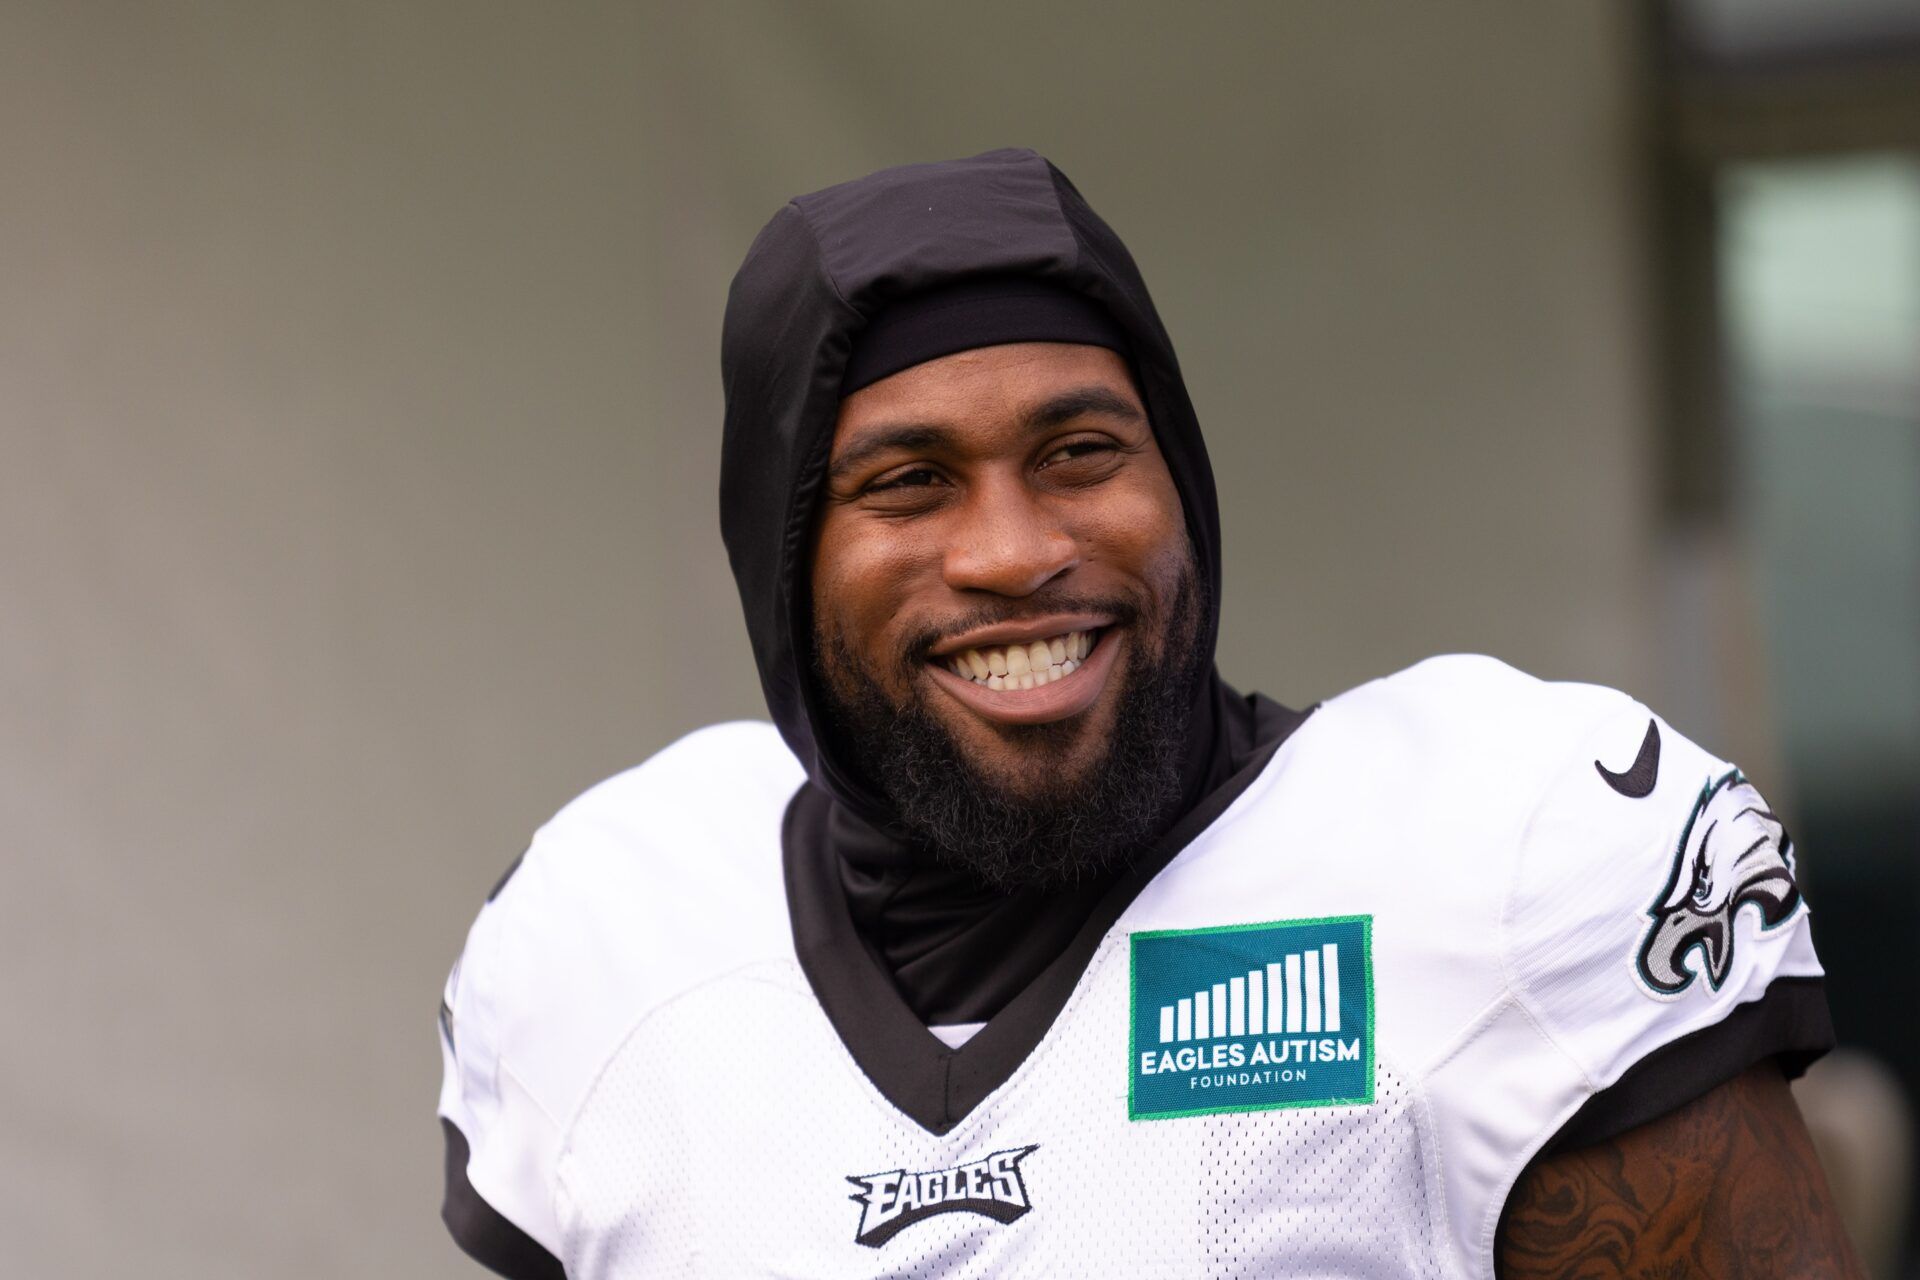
<point>649,1086</point>
<point>761,1189</point>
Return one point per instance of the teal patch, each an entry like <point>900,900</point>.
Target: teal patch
<point>1250,1017</point>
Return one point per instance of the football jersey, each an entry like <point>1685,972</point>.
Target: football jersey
<point>1452,910</point>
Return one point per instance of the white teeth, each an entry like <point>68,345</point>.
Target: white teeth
<point>1023,666</point>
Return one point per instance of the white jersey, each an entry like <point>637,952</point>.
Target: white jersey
<point>1456,905</point>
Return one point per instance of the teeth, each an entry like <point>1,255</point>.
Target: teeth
<point>1023,666</point>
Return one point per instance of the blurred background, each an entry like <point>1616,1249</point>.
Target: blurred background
<point>359,412</point>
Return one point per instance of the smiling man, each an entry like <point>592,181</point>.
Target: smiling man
<point>1005,598</point>
<point>1021,944</point>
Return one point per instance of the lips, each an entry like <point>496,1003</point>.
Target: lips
<point>1023,665</point>
<point>1055,684</point>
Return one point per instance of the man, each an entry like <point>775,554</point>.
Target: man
<point>1025,946</point>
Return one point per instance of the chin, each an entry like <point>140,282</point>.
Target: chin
<point>1035,761</point>
<point>1024,803</point>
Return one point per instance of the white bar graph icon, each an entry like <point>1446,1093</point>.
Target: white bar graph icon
<point>1312,960</point>
<point>1299,993</point>
<point>1330,980</point>
<point>1293,994</point>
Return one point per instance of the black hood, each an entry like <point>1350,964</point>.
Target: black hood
<point>820,271</point>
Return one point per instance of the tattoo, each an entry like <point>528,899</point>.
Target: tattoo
<point>1727,1187</point>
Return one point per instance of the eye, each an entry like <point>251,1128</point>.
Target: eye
<point>909,478</point>
<point>910,489</point>
<point>1077,450</point>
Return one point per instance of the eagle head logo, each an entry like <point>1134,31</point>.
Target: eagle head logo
<point>1733,853</point>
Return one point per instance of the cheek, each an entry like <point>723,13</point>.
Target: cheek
<point>860,585</point>
<point>1141,531</point>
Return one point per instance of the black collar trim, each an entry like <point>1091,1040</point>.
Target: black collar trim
<point>932,1085</point>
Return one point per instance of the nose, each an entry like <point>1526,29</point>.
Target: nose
<point>1009,542</point>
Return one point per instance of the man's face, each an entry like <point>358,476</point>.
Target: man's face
<point>1002,562</point>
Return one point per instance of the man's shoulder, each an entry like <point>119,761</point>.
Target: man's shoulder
<point>1416,787</point>
<point>1455,782</point>
<point>667,869</point>
<point>647,885</point>
<point>1470,725</point>
<point>692,834</point>
<point>717,776</point>
<point>1475,693</point>
<point>651,884</point>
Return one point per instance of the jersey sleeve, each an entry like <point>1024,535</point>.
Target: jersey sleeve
<point>1656,929</point>
<point>501,1136</point>
<point>608,915</point>
<point>1652,943</point>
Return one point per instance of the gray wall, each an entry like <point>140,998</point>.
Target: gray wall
<point>358,411</point>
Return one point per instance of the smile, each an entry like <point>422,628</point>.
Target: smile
<point>1030,673</point>
<point>1023,666</point>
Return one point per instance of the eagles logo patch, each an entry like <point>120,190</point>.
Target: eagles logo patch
<point>890,1202</point>
<point>1733,853</point>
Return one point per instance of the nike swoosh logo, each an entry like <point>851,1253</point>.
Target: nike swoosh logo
<point>1637,782</point>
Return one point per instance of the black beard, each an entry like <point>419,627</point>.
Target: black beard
<point>1058,835</point>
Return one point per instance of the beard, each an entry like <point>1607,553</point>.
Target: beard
<point>1067,829</point>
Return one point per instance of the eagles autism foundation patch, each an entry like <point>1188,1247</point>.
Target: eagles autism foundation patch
<point>1252,1017</point>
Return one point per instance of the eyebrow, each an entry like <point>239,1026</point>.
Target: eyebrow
<point>910,437</point>
<point>1069,405</point>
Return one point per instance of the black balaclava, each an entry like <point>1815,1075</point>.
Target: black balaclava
<point>818,276</point>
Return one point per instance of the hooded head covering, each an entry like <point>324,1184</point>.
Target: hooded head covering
<point>821,272</point>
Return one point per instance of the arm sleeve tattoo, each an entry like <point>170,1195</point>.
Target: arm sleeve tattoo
<point>1726,1187</point>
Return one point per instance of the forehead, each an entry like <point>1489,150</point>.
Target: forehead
<point>982,389</point>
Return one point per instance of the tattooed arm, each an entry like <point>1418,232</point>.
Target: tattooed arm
<point>1725,1188</point>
